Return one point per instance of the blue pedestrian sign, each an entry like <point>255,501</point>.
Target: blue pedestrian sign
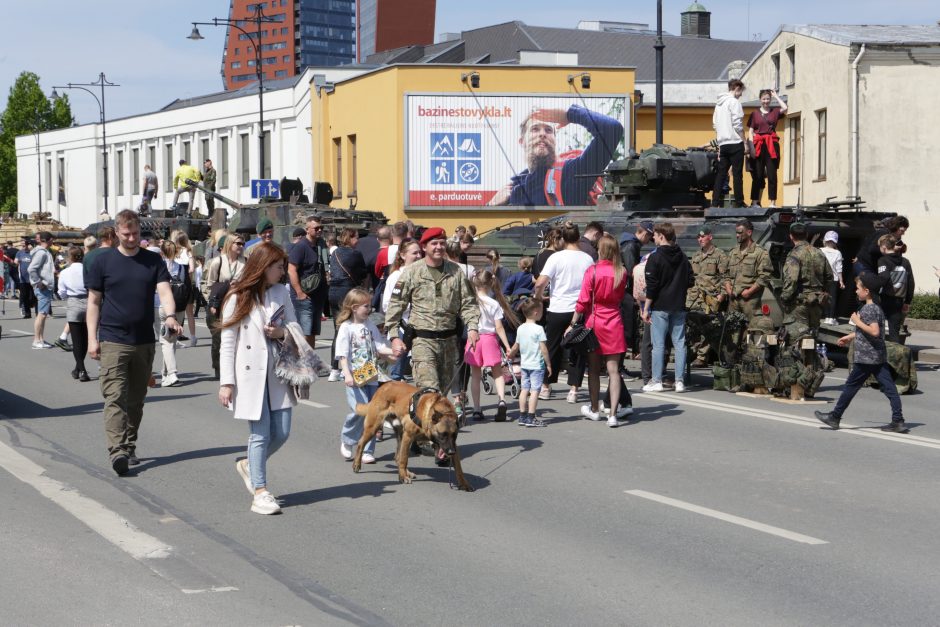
<point>265,187</point>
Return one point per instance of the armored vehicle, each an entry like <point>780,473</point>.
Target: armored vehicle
<point>160,225</point>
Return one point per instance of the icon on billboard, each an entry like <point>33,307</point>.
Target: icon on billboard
<point>468,145</point>
<point>468,172</point>
<point>442,144</point>
<point>442,172</point>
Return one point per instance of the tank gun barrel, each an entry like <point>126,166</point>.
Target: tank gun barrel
<point>208,192</point>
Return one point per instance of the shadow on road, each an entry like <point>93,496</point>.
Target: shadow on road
<point>347,491</point>
<point>20,407</point>
<point>147,463</point>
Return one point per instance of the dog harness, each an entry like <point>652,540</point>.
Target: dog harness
<point>413,405</point>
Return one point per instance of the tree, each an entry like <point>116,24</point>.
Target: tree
<point>27,111</point>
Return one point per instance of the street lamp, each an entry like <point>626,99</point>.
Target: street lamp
<point>259,18</point>
<point>102,82</point>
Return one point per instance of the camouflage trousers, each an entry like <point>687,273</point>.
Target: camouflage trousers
<point>803,319</point>
<point>748,307</point>
<point>434,362</point>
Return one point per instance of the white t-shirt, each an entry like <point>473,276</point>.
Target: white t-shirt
<point>565,271</point>
<point>490,312</point>
<point>387,294</point>
<point>359,343</point>
<point>529,335</point>
<point>183,257</point>
<point>834,257</point>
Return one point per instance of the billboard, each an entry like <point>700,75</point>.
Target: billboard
<point>467,150</point>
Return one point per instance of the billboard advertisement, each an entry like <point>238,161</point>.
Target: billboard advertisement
<point>467,150</point>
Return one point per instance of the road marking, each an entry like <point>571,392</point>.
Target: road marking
<point>313,404</point>
<point>731,518</point>
<point>107,523</point>
<point>753,412</point>
<point>18,332</point>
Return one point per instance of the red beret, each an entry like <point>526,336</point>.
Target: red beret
<point>433,233</point>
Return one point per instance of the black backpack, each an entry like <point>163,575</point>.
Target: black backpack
<point>181,287</point>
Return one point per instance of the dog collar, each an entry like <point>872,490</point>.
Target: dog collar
<point>413,405</point>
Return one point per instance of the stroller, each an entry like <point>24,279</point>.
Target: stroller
<point>509,376</point>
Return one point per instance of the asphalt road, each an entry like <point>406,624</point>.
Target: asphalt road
<point>708,508</point>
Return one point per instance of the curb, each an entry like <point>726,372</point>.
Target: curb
<point>916,324</point>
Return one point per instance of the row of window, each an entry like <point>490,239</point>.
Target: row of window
<point>795,146</point>
<point>791,60</point>
<point>338,173</point>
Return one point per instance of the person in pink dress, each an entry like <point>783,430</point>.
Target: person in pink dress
<point>599,306</point>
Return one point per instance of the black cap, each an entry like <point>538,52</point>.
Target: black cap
<point>647,225</point>
<point>45,236</point>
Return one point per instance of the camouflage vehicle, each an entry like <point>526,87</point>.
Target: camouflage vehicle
<point>160,225</point>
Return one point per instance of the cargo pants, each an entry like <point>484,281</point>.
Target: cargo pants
<point>434,362</point>
<point>125,373</point>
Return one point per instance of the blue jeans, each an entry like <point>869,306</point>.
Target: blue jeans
<point>266,436</point>
<point>673,324</point>
<point>308,312</point>
<point>397,371</point>
<point>352,428</point>
<point>857,378</point>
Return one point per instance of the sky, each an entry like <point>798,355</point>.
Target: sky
<point>142,46</point>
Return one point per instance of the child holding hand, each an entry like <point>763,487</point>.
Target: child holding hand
<point>532,344</point>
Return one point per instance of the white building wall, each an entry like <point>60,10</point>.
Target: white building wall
<point>286,119</point>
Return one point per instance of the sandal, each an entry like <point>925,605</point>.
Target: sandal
<point>478,416</point>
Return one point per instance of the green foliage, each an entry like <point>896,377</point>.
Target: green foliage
<point>925,307</point>
<point>27,111</point>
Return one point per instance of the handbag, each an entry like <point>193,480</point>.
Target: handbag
<point>580,338</point>
<point>365,372</point>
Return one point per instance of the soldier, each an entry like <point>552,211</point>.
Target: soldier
<point>749,271</point>
<point>806,277</point>
<point>706,297</point>
<point>438,292</point>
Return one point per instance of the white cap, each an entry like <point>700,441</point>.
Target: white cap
<point>831,236</point>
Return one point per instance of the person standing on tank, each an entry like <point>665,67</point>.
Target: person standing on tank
<point>727,120</point>
<point>763,125</point>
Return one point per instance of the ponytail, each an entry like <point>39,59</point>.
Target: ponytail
<point>486,280</point>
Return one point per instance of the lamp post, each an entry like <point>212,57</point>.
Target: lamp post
<point>102,82</point>
<point>258,18</point>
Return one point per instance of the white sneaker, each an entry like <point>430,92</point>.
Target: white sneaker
<point>169,380</point>
<point>623,412</point>
<point>41,345</point>
<point>345,452</point>
<point>335,375</point>
<point>572,397</point>
<point>680,386</point>
<point>612,422</point>
<point>590,415</point>
<point>653,386</point>
<point>368,458</point>
<point>241,466</point>
<point>192,342</point>
<point>265,503</point>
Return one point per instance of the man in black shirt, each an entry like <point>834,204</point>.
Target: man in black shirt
<point>306,258</point>
<point>121,284</point>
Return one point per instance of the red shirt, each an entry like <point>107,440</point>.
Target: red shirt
<point>763,124</point>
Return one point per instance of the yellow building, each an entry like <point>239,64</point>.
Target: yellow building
<point>360,126</point>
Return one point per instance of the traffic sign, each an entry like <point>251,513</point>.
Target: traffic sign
<point>265,187</point>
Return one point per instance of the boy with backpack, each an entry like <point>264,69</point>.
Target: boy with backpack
<point>871,358</point>
<point>897,285</point>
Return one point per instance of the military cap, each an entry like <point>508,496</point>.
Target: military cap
<point>263,225</point>
<point>433,233</point>
<point>705,230</point>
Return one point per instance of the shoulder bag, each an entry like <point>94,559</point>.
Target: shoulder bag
<point>580,338</point>
<point>310,283</point>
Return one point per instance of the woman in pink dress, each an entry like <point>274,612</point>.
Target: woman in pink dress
<point>599,306</point>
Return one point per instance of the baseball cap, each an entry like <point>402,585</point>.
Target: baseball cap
<point>646,225</point>
<point>263,225</point>
<point>705,230</point>
<point>433,233</point>
<point>831,236</point>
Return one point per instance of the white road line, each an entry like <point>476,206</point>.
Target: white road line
<point>731,518</point>
<point>18,332</point>
<point>105,522</point>
<point>753,412</point>
<point>313,404</point>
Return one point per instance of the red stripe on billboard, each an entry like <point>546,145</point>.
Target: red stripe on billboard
<point>457,198</point>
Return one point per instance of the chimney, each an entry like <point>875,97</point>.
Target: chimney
<point>696,22</point>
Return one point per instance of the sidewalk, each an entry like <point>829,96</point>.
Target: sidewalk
<point>926,346</point>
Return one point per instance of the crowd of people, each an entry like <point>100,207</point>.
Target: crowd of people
<point>406,304</point>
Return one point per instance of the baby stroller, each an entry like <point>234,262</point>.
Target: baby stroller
<point>509,376</point>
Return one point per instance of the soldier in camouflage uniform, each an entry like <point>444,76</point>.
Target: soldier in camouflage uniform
<point>749,272</point>
<point>707,296</point>
<point>806,276</point>
<point>438,292</point>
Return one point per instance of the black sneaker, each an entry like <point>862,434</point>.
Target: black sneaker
<point>478,416</point>
<point>827,419</point>
<point>501,412</point>
<point>83,376</point>
<point>75,373</point>
<point>182,338</point>
<point>524,420</point>
<point>535,422</point>
<point>895,426</point>
<point>119,464</point>
<point>63,345</point>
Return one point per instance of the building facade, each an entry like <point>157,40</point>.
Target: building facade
<point>857,98</point>
<point>223,127</point>
<point>388,24</point>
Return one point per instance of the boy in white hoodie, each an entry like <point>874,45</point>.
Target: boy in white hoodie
<point>728,122</point>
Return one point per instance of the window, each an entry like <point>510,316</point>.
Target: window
<point>135,170</point>
<point>204,149</point>
<point>187,153</point>
<point>168,167</point>
<point>286,58</point>
<point>223,163</point>
<point>338,165</point>
<point>48,181</point>
<point>791,57</point>
<point>821,145</point>
<point>352,165</point>
<point>238,52</point>
<point>243,157</point>
<point>775,60</point>
<point>280,74</point>
<point>61,174</point>
<point>236,65</point>
<point>793,148</point>
<point>285,30</point>
<point>119,175</point>
<point>267,156</point>
<point>152,157</point>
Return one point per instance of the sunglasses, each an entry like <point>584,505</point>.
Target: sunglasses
<point>238,243</point>
<point>317,228</point>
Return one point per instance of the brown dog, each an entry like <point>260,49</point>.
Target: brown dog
<point>436,423</point>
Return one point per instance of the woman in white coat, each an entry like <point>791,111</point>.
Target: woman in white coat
<point>248,385</point>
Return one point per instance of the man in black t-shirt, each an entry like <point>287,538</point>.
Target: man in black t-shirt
<point>121,284</point>
<point>308,257</point>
